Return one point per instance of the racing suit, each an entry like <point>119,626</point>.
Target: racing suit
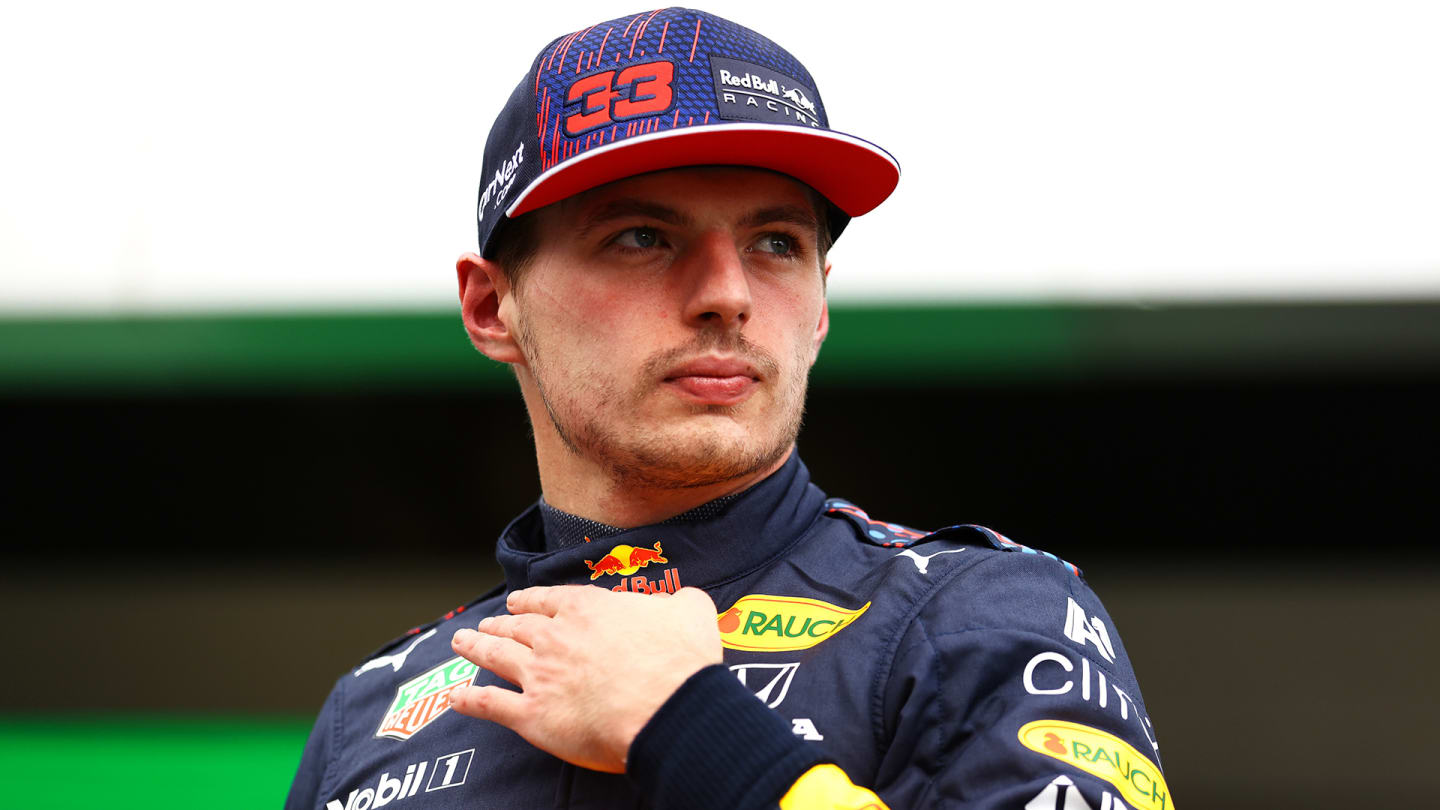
<point>952,668</point>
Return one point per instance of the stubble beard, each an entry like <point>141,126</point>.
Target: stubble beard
<point>636,456</point>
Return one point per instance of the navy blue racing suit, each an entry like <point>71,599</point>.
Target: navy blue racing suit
<point>866,664</point>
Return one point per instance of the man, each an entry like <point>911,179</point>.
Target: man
<point>658,199</point>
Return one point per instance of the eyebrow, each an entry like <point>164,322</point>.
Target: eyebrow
<point>623,208</point>
<point>797,215</point>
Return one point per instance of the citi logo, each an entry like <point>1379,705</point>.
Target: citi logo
<point>447,771</point>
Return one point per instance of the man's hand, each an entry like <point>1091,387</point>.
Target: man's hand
<point>593,666</point>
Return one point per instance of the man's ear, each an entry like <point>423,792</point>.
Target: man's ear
<point>483,286</point>
<point>823,327</point>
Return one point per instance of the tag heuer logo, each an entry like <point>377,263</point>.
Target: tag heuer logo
<point>423,698</point>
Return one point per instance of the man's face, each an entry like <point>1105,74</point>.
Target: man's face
<point>668,323</point>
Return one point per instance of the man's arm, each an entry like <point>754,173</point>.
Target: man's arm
<point>985,704</point>
<point>690,734</point>
<point>593,665</point>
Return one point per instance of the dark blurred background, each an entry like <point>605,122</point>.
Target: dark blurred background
<point>211,518</point>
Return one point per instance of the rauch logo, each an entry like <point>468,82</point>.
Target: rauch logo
<point>1100,754</point>
<point>764,623</point>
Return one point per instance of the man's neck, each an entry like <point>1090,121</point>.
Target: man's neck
<point>603,499</point>
<point>564,530</point>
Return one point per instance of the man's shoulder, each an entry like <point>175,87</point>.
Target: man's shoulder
<point>960,576</point>
<point>921,546</point>
<point>970,585</point>
<point>427,643</point>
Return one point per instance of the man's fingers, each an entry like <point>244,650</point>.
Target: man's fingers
<point>489,703</point>
<point>504,657</point>
<point>545,600</point>
<point>698,598</point>
<point>524,628</point>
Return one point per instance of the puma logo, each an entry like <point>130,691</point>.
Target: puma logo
<point>922,562</point>
<point>396,660</point>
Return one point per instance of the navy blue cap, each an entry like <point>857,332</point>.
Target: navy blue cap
<point>664,89</point>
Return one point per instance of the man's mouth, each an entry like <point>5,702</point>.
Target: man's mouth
<point>713,381</point>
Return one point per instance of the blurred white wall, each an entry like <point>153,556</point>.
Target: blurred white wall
<point>217,156</point>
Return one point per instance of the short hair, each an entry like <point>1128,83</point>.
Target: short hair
<point>514,245</point>
<point>516,241</point>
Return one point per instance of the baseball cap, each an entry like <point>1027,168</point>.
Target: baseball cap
<point>661,90</point>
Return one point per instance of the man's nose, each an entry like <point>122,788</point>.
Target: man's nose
<point>716,283</point>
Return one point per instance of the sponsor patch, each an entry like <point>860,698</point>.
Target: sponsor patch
<point>769,682</point>
<point>1056,673</point>
<point>625,560</point>
<point>1081,630</point>
<point>499,186</point>
<point>745,91</point>
<point>446,771</point>
<point>1103,755</point>
<point>763,623</point>
<point>804,728</point>
<point>423,698</point>
<point>670,583</point>
<point>922,561</point>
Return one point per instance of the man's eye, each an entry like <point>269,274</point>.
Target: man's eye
<point>638,238</point>
<point>776,243</point>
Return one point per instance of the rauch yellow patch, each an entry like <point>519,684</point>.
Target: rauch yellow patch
<point>763,623</point>
<point>1101,754</point>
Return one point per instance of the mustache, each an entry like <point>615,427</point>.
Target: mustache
<point>731,343</point>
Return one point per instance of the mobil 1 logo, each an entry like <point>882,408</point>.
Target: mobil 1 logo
<point>745,91</point>
<point>443,772</point>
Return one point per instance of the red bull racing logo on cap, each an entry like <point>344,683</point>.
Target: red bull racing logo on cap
<point>624,560</point>
<point>746,91</point>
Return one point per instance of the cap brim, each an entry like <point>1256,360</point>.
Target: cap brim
<point>854,174</point>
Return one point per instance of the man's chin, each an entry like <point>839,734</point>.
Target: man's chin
<point>693,462</point>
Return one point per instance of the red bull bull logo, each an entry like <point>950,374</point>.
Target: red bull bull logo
<point>625,560</point>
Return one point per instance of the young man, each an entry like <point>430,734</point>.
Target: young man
<point>660,192</point>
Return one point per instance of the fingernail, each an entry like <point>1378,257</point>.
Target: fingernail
<point>487,621</point>
<point>461,636</point>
